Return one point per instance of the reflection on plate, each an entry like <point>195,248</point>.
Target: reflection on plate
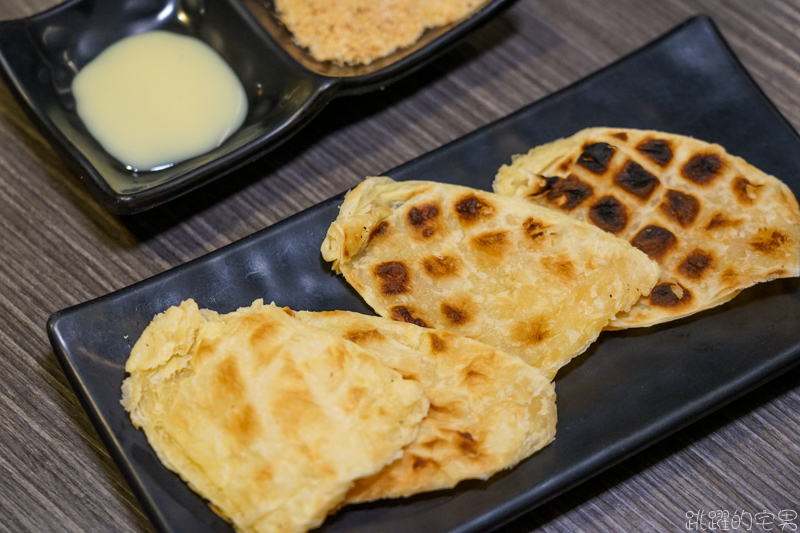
<point>629,390</point>
<point>40,55</point>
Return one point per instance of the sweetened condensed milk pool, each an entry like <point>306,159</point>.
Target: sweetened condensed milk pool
<point>158,98</point>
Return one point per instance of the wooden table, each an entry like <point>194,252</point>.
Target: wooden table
<point>59,248</point>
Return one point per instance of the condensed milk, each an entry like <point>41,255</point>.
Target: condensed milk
<point>158,98</point>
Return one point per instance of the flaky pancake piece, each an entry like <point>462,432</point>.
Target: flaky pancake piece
<point>488,410</point>
<point>268,419</point>
<point>350,32</point>
<point>533,282</point>
<point>714,223</point>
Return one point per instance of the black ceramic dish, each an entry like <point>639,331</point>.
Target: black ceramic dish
<point>40,56</point>
<point>631,389</point>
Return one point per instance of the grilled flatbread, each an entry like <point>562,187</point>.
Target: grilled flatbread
<point>488,410</point>
<point>533,282</point>
<point>714,223</point>
<point>268,419</point>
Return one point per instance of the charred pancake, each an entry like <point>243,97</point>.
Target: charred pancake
<point>488,410</point>
<point>714,223</point>
<point>533,282</point>
<point>268,419</point>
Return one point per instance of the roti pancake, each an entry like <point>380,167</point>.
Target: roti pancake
<point>714,223</point>
<point>268,419</point>
<point>488,410</point>
<point>533,282</point>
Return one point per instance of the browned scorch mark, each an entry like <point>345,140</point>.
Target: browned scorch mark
<point>561,266</point>
<point>242,421</point>
<point>695,265</point>
<point>492,243</point>
<point>454,315</point>
<point>657,150</point>
<point>655,241</point>
<point>379,230</point>
<point>355,394</point>
<point>745,192</point>
<point>205,348</point>
<point>402,313</point>
<point>729,276</point>
<point>441,409</point>
<point>719,220</point>
<point>471,376</point>
<point>467,444</point>
<point>680,207</point>
<point>433,443</point>
<point>534,228</point>
<point>669,295</point>
<point>531,331</point>
<point>596,156</point>
<point>264,475</point>
<point>437,343</point>
<point>634,179</point>
<point>409,375</point>
<point>703,168</point>
<point>418,463</point>
<point>228,381</point>
<point>424,219</point>
<point>441,266</point>
<point>609,215</point>
<point>364,336</point>
<point>262,332</point>
<point>394,276</point>
<point>768,240</point>
<point>472,208</point>
<point>567,193</point>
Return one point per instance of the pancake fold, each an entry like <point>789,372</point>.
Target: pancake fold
<point>488,410</point>
<point>533,282</point>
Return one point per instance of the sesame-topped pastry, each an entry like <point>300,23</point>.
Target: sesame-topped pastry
<point>714,223</point>
<point>534,282</point>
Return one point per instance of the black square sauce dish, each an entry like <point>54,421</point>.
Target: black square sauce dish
<point>285,86</point>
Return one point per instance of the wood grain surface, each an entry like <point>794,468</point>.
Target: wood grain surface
<point>59,248</point>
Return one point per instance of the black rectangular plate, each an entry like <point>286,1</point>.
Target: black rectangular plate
<point>629,390</point>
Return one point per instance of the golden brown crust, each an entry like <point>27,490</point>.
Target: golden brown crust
<point>488,409</point>
<point>350,32</point>
<point>268,419</point>
<point>531,281</point>
<point>713,222</point>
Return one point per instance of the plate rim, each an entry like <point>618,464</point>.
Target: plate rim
<point>526,501</point>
